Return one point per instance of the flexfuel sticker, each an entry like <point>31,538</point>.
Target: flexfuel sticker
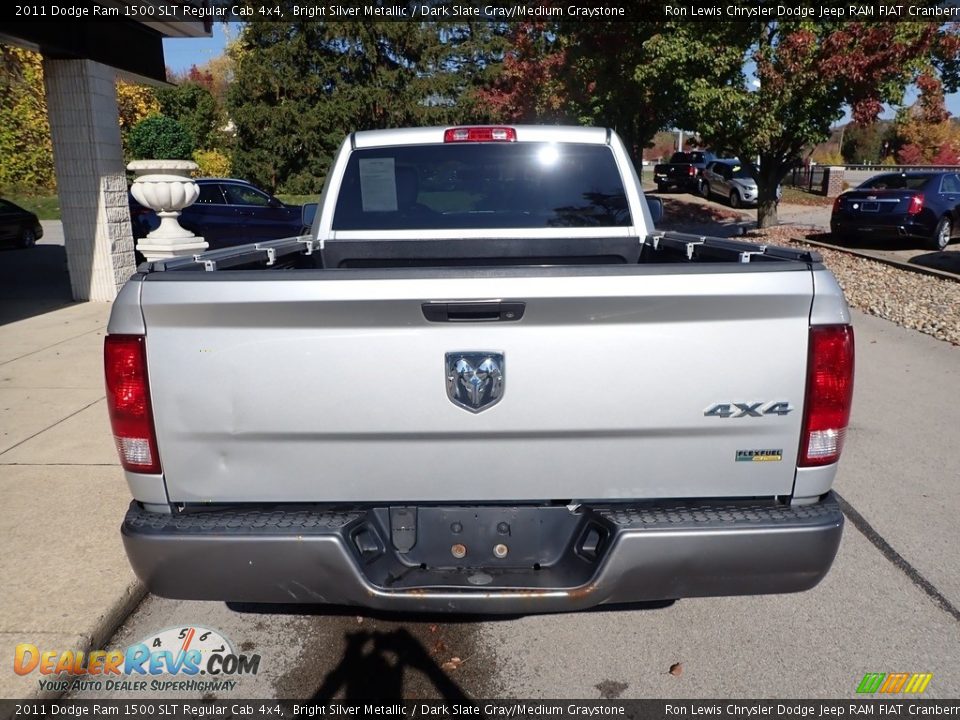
<point>759,455</point>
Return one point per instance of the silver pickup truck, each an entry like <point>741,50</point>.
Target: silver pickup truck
<point>483,383</point>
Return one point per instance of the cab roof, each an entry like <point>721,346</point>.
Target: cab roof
<point>525,133</point>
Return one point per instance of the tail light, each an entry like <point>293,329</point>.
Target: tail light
<point>826,410</point>
<point>480,134</point>
<point>916,204</point>
<point>691,171</point>
<point>128,402</point>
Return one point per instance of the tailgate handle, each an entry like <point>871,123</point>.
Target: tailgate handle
<point>473,311</point>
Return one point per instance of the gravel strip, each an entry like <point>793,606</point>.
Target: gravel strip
<point>912,300</point>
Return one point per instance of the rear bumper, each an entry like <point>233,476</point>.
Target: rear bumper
<point>891,229</point>
<point>681,181</point>
<point>611,554</point>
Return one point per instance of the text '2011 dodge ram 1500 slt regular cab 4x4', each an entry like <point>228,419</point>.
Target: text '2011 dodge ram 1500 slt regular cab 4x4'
<point>483,383</point>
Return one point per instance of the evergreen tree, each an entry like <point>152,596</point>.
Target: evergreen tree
<point>300,88</point>
<point>864,143</point>
<point>195,108</point>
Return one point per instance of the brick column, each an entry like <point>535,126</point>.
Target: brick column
<point>87,154</point>
<point>832,181</point>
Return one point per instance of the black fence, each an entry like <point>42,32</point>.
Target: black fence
<point>811,179</point>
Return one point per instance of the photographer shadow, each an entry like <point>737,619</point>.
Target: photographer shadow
<point>374,667</point>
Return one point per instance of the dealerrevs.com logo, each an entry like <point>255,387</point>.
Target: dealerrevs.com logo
<point>185,653</point>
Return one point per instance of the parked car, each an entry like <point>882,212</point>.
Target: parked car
<point>18,227</point>
<point>731,180</point>
<point>683,170</point>
<point>228,212</point>
<point>918,205</point>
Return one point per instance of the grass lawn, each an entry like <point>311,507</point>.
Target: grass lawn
<point>47,207</point>
<point>298,199</point>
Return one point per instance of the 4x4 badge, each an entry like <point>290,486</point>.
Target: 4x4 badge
<point>747,409</point>
<point>475,379</point>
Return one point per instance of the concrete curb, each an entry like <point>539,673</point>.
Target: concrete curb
<point>108,623</point>
<point>115,615</point>
<point>909,267</point>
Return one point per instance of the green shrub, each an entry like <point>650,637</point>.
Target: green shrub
<point>195,109</point>
<point>26,151</point>
<point>212,163</point>
<point>159,137</point>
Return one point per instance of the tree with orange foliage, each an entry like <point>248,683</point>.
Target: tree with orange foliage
<point>534,81</point>
<point>25,146</point>
<point>924,132</point>
<point>643,76</point>
<point>582,73</point>
<point>807,72</point>
<point>134,103</point>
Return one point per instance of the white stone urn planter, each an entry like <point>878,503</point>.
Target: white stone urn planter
<point>165,186</point>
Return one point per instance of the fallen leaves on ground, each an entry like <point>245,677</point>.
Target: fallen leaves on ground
<point>452,664</point>
<point>686,211</point>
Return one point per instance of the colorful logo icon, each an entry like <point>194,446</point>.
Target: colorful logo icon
<point>893,683</point>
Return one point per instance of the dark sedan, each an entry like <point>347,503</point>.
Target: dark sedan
<point>18,227</point>
<point>227,212</point>
<point>921,206</point>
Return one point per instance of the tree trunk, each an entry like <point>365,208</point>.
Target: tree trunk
<point>767,181</point>
<point>767,212</point>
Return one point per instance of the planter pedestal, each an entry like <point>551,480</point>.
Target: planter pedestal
<point>165,187</point>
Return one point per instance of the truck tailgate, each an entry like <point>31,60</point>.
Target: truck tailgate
<point>331,386</point>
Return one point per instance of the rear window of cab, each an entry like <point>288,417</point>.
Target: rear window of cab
<point>481,185</point>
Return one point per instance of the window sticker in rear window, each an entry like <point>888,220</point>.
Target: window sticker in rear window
<point>378,184</point>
